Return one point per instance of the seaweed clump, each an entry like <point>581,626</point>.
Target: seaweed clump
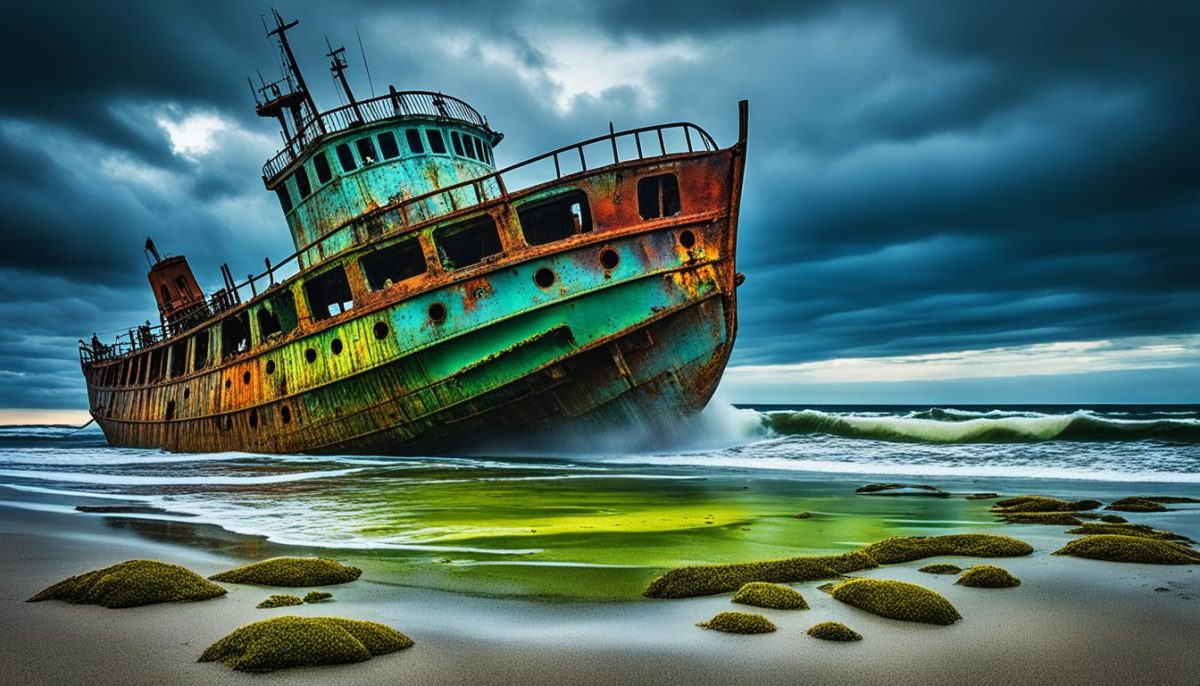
<point>1116,548</point>
<point>988,576</point>
<point>770,596</point>
<point>909,548</point>
<point>290,571</point>
<point>902,489</point>
<point>279,601</point>
<point>317,597</point>
<point>1113,519</point>
<point>1050,518</point>
<point>699,580</point>
<point>1038,503</point>
<point>1136,505</point>
<point>290,641</point>
<point>131,584</point>
<point>1126,529</point>
<point>896,600</point>
<point>739,623</point>
<point>834,631</point>
<point>940,569</point>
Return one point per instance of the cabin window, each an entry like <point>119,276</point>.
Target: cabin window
<point>387,145</point>
<point>471,149</point>
<point>414,141</point>
<point>346,158</point>
<point>285,198</point>
<point>328,294</point>
<point>658,196</point>
<point>156,364</point>
<point>178,364</point>
<point>302,183</point>
<point>553,220</point>
<point>321,165</point>
<point>200,351</point>
<point>437,144</point>
<point>470,242</point>
<point>393,264</point>
<point>181,284</point>
<point>268,323</point>
<point>166,295</point>
<point>235,335</point>
<point>457,142</point>
<point>366,150</point>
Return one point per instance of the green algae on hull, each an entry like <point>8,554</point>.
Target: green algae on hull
<point>834,631</point>
<point>279,601</point>
<point>687,582</point>
<point>131,584</point>
<point>1126,529</point>
<point>896,600</point>
<point>940,569</point>
<point>770,596</point>
<point>290,572</point>
<point>1116,548</point>
<point>318,597</point>
<point>988,576</point>
<point>1039,503</point>
<point>909,548</point>
<point>291,641</point>
<point>739,623</point>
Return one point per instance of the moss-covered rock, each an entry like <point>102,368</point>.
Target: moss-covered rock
<point>1170,499</point>
<point>897,600</point>
<point>285,642</point>
<point>1050,518</point>
<point>902,489</point>
<point>688,582</point>
<point>988,576</point>
<point>940,569</point>
<point>1126,529</point>
<point>290,572</point>
<point>770,596</point>
<point>983,496</point>
<point>909,548</point>
<point>739,623</point>
<point>279,601</point>
<point>834,631</point>
<point>1115,548</point>
<point>1038,503</point>
<point>1136,505</point>
<point>1113,519</point>
<point>133,583</point>
<point>317,597</point>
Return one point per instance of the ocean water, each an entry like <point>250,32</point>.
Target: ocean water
<point>608,517</point>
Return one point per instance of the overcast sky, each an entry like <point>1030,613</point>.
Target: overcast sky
<point>945,201</point>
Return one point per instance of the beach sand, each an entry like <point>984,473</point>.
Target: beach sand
<point>1072,621</point>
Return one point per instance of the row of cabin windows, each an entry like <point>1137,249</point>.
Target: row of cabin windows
<point>328,294</point>
<point>464,144</point>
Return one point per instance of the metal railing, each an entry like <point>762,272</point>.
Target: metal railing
<point>394,104</point>
<point>642,143</point>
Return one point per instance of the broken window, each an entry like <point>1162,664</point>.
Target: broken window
<point>414,141</point>
<point>457,142</point>
<point>285,199</point>
<point>178,364</point>
<point>200,351</point>
<point>346,158</point>
<point>268,323</point>
<point>155,364</point>
<point>302,183</point>
<point>470,242</point>
<point>658,196</point>
<point>321,164</point>
<point>328,294</point>
<point>437,144</point>
<point>393,264</point>
<point>555,219</point>
<point>387,145</point>
<point>366,150</point>
<point>235,335</point>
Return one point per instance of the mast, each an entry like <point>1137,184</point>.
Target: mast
<point>289,94</point>
<point>337,65</point>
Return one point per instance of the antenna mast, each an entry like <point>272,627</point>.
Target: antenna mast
<point>337,65</point>
<point>289,94</point>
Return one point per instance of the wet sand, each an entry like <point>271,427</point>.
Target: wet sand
<point>1071,621</point>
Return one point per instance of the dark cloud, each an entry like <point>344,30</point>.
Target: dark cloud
<point>923,176</point>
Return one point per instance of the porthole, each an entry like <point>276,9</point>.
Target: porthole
<point>544,278</point>
<point>335,346</point>
<point>170,410</point>
<point>687,239</point>
<point>437,313</point>
<point>270,367</point>
<point>186,393</point>
<point>253,419</point>
<point>310,355</point>
<point>609,259</point>
<point>245,377</point>
<point>381,330</point>
<point>285,414</point>
<point>228,383</point>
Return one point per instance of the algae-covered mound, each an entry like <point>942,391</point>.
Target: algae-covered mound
<point>987,576</point>
<point>983,496</point>
<point>289,641</point>
<point>1051,518</point>
<point>739,623</point>
<point>1170,499</point>
<point>1126,529</point>
<point>770,596</point>
<point>1113,519</point>
<point>907,549</point>
<point>688,582</point>
<point>1136,505</point>
<point>940,569</point>
<point>279,601</point>
<point>896,600</point>
<point>290,571</point>
<point>1038,503</point>
<point>317,597</point>
<point>1116,548</point>
<point>902,489</point>
<point>834,631</point>
<point>132,583</point>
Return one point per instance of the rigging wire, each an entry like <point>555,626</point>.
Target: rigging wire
<point>364,56</point>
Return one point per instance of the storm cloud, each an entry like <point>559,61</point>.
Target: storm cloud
<point>923,177</point>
